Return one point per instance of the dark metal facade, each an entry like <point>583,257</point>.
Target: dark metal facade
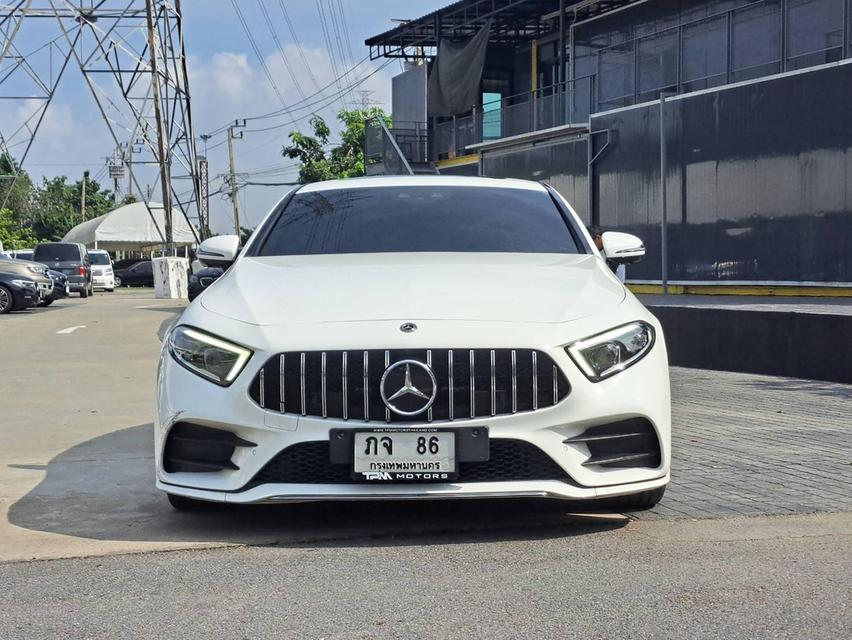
<point>758,181</point>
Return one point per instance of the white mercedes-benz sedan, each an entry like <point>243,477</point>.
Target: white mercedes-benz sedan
<point>416,337</point>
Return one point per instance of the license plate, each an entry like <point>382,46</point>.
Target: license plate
<point>404,456</point>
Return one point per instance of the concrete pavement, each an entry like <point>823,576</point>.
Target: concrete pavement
<point>76,448</point>
<point>76,485</point>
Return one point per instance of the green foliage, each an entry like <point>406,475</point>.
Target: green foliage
<point>343,161</point>
<point>12,235</point>
<point>47,211</point>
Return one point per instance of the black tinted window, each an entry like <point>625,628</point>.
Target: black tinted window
<point>57,253</point>
<point>420,218</point>
<point>99,258</point>
<point>143,267</point>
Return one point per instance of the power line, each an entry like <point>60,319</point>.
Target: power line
<point>297,106</point>
<point>274,34</point>
<point>259,56</point>
<point>294,36</point>
<point>329,46</point>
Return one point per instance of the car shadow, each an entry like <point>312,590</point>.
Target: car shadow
<point>103,489</point>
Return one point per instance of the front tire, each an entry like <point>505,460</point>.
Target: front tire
<point>182,503</point>
<point>117,282</point>
<point>46,303</point>
<point>7,302</point>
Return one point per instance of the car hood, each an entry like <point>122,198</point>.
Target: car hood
<point>541,288</point>
<point>22,267</point>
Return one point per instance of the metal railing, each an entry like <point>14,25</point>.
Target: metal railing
<point>391,153</point>
<point>564,103</point>
<point>418,143</point>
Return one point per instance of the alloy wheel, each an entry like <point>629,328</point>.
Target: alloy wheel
<point>5,300</point>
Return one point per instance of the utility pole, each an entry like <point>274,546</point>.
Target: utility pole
<point>234,188</point>
<point>83,197</point>
<point>204,197</point>
<point>162,135</point>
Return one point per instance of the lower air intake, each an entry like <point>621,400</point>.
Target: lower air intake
<point>308,463</point>
<point>627,443</point>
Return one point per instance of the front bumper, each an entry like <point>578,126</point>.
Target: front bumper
<point>24,297</point>
<point>103,282</point>
<point>642,391</point>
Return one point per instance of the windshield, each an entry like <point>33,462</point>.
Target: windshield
<point>420,218</point>
<point>57,252</point>
<point>100,258</point>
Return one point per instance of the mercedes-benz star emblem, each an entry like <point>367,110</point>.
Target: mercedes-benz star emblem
<point>408,387</point>
<point>408,327</point>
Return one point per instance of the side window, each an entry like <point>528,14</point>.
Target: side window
<point>146,267</point>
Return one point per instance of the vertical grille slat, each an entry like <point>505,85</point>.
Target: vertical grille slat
<point>476,386</point>
<point>493,384</point>
<point>387,364</point>
<point>324,387</point>
<point>281,378</point>
<point>450,385</point>
<point>429,363</point>
<point>535,380</point>
<point>472,385</point>
<point>344,383</point>
<point>555,385</point>
<point>367,386</point>
<point>514,381</point>
<point>302,384</point>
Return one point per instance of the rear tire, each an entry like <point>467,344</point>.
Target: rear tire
<point>7,301</point>
<point>636,502</point>
<point>84,293</point>
<point>182,503</point>
<point>117,282</point>
<point>46,303</point>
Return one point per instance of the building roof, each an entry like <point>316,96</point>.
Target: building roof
<point>512,21</point>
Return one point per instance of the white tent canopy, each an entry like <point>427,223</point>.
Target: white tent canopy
<point>130,228</point>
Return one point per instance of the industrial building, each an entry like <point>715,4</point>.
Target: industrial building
<point>718,131</point>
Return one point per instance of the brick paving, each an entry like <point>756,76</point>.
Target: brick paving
<point>747,444</point>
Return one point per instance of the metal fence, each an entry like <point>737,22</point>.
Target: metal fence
<point>564,103</point>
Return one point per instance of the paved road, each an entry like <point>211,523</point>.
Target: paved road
<point>75,481</point>
<point>782,577</point>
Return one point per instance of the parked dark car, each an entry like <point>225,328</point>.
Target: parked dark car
<point>16,292</point>
<point>198,282</point>
<point>60,288</point>
<point>125,263</point>
<point>71,259</point>
<point>28,270</point>
<point>140,274</point>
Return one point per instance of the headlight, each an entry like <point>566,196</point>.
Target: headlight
<point>29,284</point>
<point>42,270</point>
<point>210,357</point>
<point>607,353</point>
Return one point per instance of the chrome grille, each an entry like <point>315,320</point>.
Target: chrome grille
<point>472,383</point>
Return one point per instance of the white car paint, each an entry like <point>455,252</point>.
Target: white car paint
<point>102,275</point>
<point>468,300</point>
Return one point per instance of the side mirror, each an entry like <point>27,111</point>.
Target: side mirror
<point>622,248</point>
<point>219,251</point>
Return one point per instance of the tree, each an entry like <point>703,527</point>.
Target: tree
<point>343,161</point>
<point>16,190</point>
<point>12,234</point>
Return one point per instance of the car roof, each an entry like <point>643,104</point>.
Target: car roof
<point>97,251</point>
<point>421,181</point>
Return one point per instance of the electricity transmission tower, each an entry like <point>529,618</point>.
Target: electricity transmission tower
<point>132,59</point>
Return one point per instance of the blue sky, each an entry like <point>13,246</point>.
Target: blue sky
<point>227,81</point>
